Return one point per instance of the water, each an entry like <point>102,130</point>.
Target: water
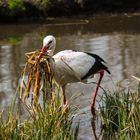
<point>115,38</point>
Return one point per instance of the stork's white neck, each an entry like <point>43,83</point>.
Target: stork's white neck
<point>50,52</point>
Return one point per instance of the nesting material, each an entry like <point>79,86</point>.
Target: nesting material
<point>37,77</point>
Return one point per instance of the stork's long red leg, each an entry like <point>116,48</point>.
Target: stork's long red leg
<point>65,106</point>
<point>64,96</point>
<point>96,91</point>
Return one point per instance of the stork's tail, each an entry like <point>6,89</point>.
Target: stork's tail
<point>101,63</point>
<point>106,69</point>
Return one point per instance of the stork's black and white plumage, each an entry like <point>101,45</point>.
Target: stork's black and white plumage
<point>74,66</point>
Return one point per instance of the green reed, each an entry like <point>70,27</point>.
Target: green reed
<point>53,122</point>
<point>121,115</point>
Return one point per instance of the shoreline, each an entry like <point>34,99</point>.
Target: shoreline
<point>51,19</point>
<point>60,19</point>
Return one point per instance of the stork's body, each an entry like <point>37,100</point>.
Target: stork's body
<point>74,66</point>
<point>71,66</point>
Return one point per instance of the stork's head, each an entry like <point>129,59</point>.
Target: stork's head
<point>49,43</point>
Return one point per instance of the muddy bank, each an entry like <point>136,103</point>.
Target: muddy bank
<point>30,10</point>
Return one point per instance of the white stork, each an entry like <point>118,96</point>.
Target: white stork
<point>74,66</point>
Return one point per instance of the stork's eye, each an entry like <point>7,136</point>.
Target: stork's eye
<point>50,42</point>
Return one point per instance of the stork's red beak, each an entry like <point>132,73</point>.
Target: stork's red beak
<point>44,49</point>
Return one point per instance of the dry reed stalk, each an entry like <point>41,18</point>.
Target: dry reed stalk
<point>39,74</point>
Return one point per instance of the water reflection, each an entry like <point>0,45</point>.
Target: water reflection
<point>8,72</point>
<point>116,39</point>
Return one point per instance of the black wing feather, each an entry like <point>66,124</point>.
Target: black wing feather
<point>97,66</point>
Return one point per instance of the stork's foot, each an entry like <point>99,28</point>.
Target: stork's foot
<point>92,108</point>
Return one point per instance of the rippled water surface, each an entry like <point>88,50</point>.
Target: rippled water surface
<point>115,38</point>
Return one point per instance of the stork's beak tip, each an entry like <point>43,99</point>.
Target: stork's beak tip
<point>44,49</point>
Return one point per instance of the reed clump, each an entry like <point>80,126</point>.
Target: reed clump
<point>121,115</point>
<point>46,120</point>
<point>53,123</point>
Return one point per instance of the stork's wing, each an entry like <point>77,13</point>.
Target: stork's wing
<point>74,63</point>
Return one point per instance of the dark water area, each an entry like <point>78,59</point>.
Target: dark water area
<point>115,38</point>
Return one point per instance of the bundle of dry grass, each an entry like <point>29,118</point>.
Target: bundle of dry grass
<point>37,76</point>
